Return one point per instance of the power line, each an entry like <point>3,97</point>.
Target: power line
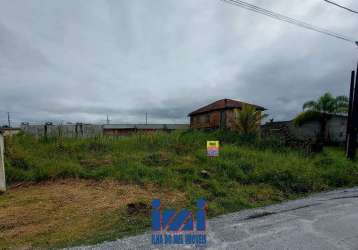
<point>287,19</point>
<point>341,6</point>
<point>281,17</point>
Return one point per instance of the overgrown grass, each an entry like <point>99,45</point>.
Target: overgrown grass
<point>249,172</point>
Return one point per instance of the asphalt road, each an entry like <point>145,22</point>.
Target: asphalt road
<point>322,221</point>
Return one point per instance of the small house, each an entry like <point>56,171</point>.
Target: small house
<point>219,114</point>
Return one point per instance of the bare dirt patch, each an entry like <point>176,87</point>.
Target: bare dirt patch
<point>62,213</point>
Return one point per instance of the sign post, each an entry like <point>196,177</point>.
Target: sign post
<point>212,148</point>
<point>2,167</point>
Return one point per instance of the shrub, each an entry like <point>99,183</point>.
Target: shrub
<point>307,116</point>
<point>247,120</point>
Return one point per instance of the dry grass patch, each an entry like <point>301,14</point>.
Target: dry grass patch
<point>62,213</point>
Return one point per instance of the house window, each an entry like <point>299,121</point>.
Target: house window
<point>207,118</point>
<point>196,119</point>
<point>202,119</point>
<point>222,119</point>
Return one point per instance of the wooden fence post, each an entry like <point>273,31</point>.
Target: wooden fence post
<point>2,165</point>
<point>45,130</point>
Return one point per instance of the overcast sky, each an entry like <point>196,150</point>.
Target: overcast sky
<point>78,60</point>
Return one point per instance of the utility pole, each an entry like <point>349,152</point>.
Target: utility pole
<point>352,120</point>
<point>352,126</point>
<point>8,119</point>
<point>355,115</point>
<point>107,119</point>
<point>349,142</point>
<point>146,118</point>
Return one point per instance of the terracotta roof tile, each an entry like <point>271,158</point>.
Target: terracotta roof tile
<point>223,104</point>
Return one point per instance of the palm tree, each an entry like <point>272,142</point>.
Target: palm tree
<point>247,120</point>
<point>322,109</point>
<point>328,104</point>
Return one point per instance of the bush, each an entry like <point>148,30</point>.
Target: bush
<point>307,116</point>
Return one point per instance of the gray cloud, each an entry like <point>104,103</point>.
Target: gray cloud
<point>80,60</point>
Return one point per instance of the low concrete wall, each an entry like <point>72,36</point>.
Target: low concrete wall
<point>68,130</point>
<point>9,131</point>
<point>2,166</point>
<point>309,130</point>
<point>335,129</point>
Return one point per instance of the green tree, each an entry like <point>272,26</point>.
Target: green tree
<point>248,119</point>
<point>321,110</point>
<point>328,104</point>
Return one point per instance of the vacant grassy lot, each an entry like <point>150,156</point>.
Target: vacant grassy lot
<point>80,191</point>
<point>62,213</point>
